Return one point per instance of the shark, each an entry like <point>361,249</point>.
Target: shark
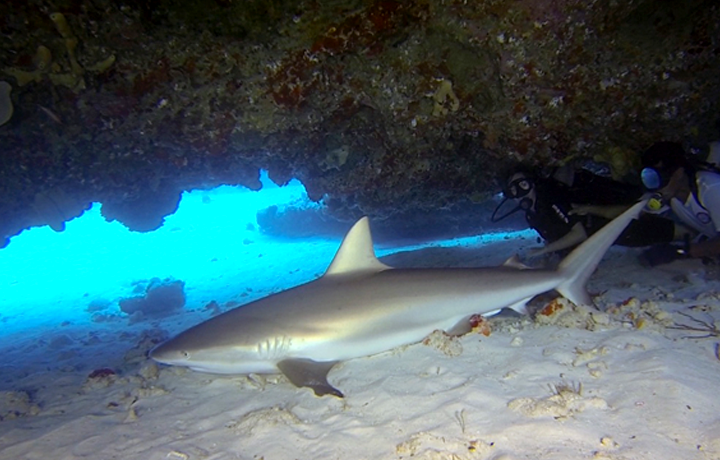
<point>361,307</point>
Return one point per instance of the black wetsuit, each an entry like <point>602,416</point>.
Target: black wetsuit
<point>551,218</point>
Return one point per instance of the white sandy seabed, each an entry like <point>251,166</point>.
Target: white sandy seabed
<point>629,381</point>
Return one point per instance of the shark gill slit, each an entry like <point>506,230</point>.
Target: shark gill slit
<point>273,347</point>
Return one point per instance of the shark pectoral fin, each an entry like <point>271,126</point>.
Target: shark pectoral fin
<point>311,374</point>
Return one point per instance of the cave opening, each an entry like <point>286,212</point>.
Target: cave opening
<point>78,275</point>
<point>72,299</point>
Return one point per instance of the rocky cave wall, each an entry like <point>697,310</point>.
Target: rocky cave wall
<point>380,106</point>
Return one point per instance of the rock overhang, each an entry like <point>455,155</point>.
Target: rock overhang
<point>381,107</point>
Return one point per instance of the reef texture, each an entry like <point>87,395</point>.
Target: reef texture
<point>381,107</point>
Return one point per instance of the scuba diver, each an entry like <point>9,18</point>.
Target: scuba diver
<point>566,212</point>
<point>691,189</point>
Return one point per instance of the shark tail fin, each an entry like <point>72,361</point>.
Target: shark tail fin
<point>577,267</point>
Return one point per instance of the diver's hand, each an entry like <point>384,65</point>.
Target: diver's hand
<point>583,210</point>
<point>605,211</point>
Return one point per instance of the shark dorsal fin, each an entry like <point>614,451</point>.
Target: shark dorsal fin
<point>356,253</point>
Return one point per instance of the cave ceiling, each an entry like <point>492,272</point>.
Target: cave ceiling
<point>379,107</point>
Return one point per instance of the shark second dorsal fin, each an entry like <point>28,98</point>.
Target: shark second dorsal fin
<point>356,253</point>
<point>514,262</point>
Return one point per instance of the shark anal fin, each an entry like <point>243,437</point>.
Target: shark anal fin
<point>311,374</point>
<point>464,326</point>
<point>520,307</point>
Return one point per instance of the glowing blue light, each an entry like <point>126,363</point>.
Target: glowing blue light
<point>212,243</point>
<point>48,277</point>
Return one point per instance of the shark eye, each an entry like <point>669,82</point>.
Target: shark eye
<point>185,354</point>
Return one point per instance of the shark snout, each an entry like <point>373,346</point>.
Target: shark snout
<point>168,354</point>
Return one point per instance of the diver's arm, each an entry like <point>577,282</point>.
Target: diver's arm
<point>606,211</point>
<point>575,236</point>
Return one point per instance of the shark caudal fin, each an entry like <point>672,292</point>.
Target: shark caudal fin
<point>577,267</point>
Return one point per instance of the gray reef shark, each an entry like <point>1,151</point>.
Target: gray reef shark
<point>361,307</point>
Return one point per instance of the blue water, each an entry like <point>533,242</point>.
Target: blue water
<point>47,277</point>
<point>212,243</point>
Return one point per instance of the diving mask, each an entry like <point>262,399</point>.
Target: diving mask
<point>654,178</point>
<point>518,188</point>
